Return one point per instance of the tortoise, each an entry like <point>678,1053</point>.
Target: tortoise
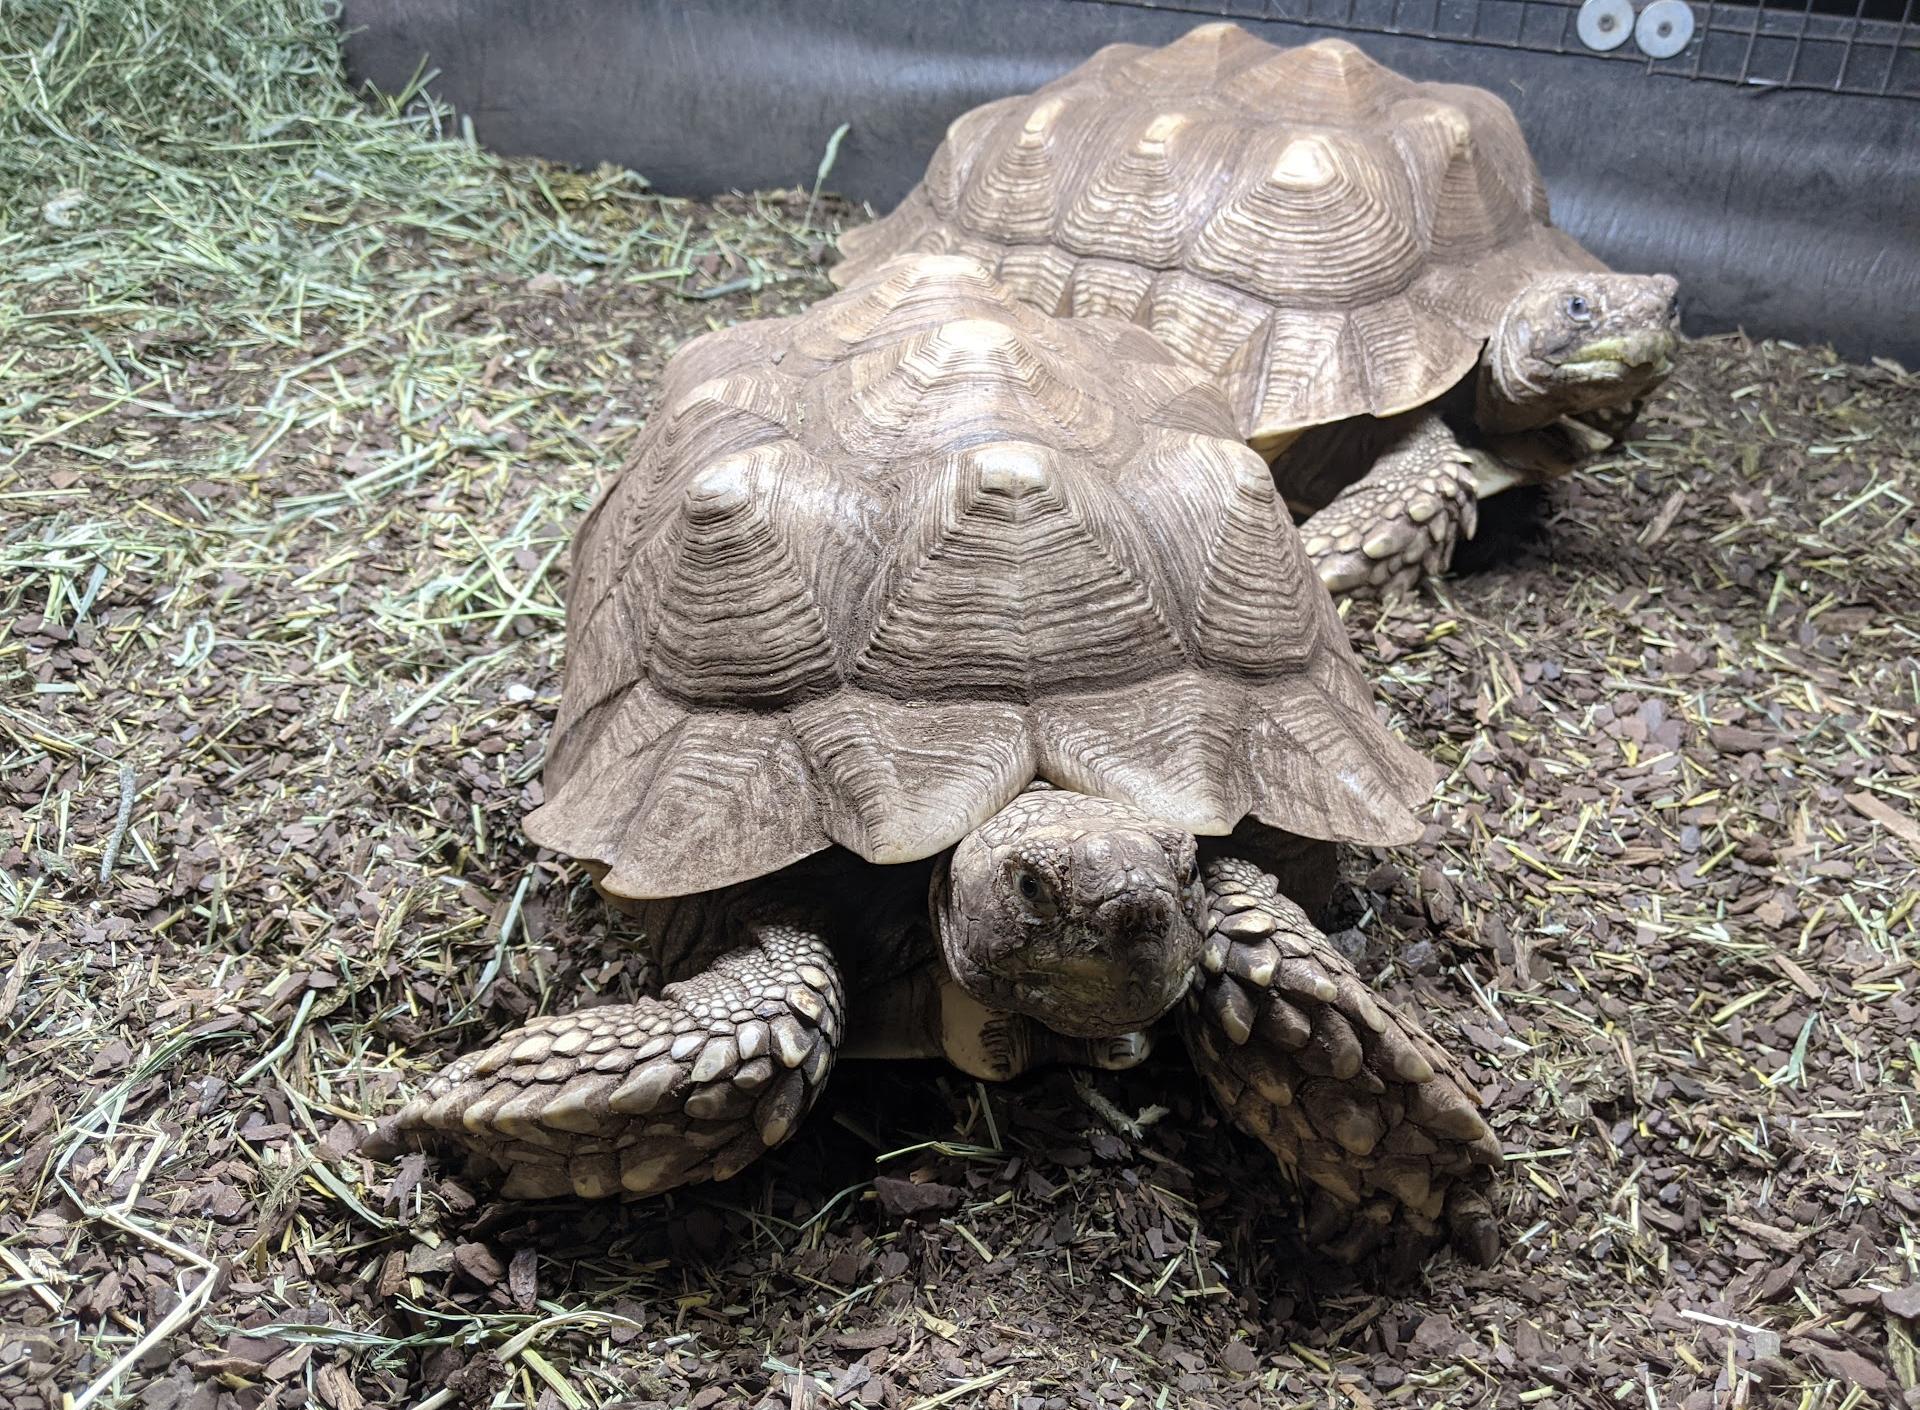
<point>1365,263</point>
<point>946,679</point>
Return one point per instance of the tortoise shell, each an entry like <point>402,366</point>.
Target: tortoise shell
<point>873,569</point>
<point>1326,237</point>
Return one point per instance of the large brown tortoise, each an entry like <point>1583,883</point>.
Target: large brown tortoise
<point>946,678</point>
<point>1364,262</point>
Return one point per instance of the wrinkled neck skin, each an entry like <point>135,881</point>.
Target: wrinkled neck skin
<point>1077,912</point>
<point>1504,400</point>
<point>1573,343</point>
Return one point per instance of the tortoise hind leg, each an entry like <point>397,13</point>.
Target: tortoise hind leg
<point>999,1047</point>
<point>640,1098</point>
<point>926,1014</point>
<point>1351,1096</point>
<point>1401,520</point>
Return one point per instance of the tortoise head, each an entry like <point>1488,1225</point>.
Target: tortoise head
<point>1078,912</point>
<point>1570,343</point>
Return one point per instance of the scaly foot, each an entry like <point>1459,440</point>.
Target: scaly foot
<point>1400,521</point>
<point>640,1098</point>
<point>1351,1096</point>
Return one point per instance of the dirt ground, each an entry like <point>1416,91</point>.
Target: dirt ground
<point>279,651</point>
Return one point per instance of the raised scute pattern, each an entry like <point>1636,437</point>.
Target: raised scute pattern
<point>917,546</point>
<point>1285,206</point>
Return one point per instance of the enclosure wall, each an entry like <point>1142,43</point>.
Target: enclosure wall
<point>1792,213</point>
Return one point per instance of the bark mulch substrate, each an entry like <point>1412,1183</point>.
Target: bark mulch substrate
<point>280,636</point>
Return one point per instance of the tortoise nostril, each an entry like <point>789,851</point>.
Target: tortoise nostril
<point>1135,917</point>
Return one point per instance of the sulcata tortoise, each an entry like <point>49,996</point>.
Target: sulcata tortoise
<point>1364,262</point>
<point>945,679</point>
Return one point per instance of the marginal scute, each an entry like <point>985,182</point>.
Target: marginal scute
<point>1108,288</point>
<point>905,780</point>
<point>1170,748</point>
<point>717,805</point>
<point>1309,364</point>
<point>1386,339</point>
<point>1207,323</point>
<point>1043,274</point>
<point>1345,779</point>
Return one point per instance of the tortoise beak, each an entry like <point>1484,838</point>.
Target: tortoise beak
<point>1643,351</point>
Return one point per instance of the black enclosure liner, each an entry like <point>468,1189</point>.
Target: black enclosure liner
<point>1773,164</point>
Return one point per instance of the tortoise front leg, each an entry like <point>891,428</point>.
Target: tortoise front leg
<point>1401,520</point>
<point>640,1098</point>
<point>1350,1095</point>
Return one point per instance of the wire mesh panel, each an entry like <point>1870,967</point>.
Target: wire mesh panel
<point>1869,47</point>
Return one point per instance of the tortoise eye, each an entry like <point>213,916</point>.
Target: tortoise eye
<point>1578,309</point>
<point>1181,854</point>
<point>1031,878</point>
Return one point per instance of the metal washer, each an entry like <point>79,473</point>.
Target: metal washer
<point>1607,24</point>
<point>1664,28</point>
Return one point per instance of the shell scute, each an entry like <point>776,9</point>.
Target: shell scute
<point>982,545</point>
<point>1252,184</point>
